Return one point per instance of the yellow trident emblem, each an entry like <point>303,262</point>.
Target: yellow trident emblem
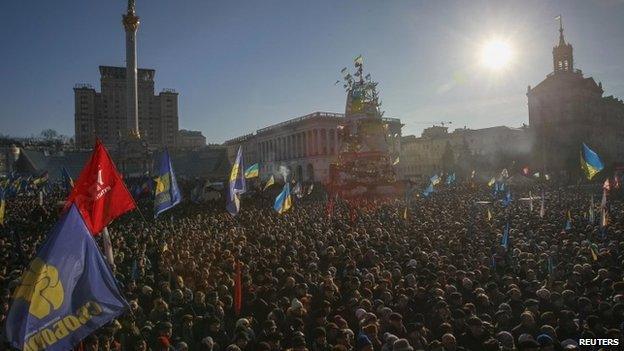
<point>42,288</point>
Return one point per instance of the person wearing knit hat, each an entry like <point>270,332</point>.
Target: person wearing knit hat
<point>363,343</point>
<point>506,340</point>
<point>569,344</point>
<point>388,341</point>
<point>359,313</point>
<point>319,339</point>
<point>163,344</point>
<point>402,345</point>
<point>449,342</point>
<point>528,344</point>
<point>546,342</point>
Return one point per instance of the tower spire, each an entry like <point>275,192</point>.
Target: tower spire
<point>561,39</point>
<point>563,61</point>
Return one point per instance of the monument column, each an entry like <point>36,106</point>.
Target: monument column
<point>131,24</point>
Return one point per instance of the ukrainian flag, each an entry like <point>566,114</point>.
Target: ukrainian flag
<point>68,182</point>
<point>237,184</point>
<point>435,179</point>
<point>269,182</point>
<point>283,201</point>
<point>590,162</point>
<point>166,191</point>
<point>253,171</point>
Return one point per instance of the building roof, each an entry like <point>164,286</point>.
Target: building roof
<point>565,80</point>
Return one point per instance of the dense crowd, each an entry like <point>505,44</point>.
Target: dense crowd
<point>366,276</point>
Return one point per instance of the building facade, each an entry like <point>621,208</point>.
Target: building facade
<point>104,114</point>
<point>304,146</point>
<point>567,109</point>
<point>190,139</point>
<point>437,150</point>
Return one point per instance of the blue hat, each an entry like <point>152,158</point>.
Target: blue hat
<point>362,341</point>
<point>545,339</point>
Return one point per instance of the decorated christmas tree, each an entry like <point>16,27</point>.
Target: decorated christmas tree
<point>367,159</point>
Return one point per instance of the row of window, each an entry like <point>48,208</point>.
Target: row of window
<point>308,143</point>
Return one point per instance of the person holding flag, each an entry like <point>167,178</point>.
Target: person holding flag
<point>237,184</point>
<point>100,193</point>
<point>67,292</point>
<point>166,192</point>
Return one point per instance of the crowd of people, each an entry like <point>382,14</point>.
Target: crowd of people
<point>365,276</point>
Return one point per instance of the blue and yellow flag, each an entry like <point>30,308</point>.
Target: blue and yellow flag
<point>505,239</point>
<point>66,293</point>
<point>166,191</point>
<point>68,182</point>
<point>283,201</point>
<point>236,185</point>
<point>590,162</point>
<point>2,206</point>
<point>253,171</point>
<point>269,182</point>
<point>435,179</point>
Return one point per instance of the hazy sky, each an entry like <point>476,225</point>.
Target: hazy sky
<point>242,65</point>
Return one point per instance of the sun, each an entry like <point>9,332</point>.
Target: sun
<point>496,54</point>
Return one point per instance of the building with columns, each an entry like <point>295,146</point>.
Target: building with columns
<point>305,145</point>
<point>567,109</point>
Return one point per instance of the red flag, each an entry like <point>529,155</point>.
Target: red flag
<point>100,193</point>
<point>238,289</point>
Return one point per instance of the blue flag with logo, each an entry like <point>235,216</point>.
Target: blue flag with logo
<point>66,293</point>
<point>166,191</point>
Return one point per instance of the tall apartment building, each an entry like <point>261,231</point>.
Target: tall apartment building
<point>103,114</point>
